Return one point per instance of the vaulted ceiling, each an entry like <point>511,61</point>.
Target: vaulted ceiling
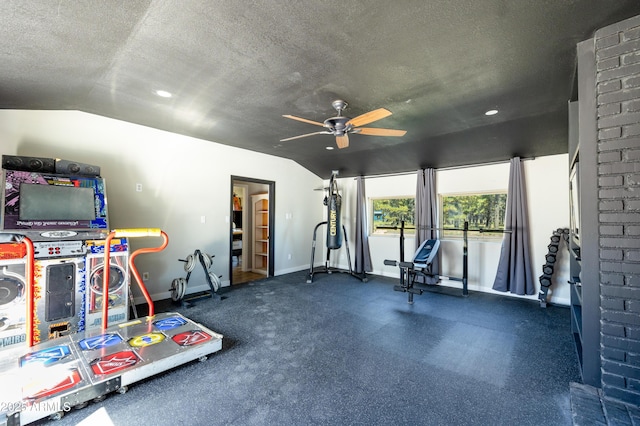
<point>234,68</point>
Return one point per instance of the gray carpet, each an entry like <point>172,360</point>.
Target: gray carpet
<point>342,352</point>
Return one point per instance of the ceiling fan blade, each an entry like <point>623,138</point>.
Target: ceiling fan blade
<point>342,141</point>
<point>374,131</point>
<point>304,120</point>
<point>325,132</point>
<point>370,117</point>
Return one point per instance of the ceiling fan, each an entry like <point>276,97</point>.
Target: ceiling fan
<point>341,126</point>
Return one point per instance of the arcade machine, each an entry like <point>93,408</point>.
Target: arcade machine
<point>51,359</point>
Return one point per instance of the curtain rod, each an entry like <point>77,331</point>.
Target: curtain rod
<point>446,168</point>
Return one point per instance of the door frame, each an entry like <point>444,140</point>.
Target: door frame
<point>245,219</point>
<point>272,205</point>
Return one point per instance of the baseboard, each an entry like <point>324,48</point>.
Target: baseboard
<point>291,270</point>
<point>167,294</point>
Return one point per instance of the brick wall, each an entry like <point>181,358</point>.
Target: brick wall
<point>617,50</point>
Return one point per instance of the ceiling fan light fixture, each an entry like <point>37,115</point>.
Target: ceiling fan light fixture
<point>339,124</point>
<point>491,112</point>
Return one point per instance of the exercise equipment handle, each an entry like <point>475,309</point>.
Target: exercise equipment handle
<point>130,233</point>
<point>137,232</point>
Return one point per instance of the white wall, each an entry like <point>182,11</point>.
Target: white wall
<point>546,181</point>
<point>182,178</point>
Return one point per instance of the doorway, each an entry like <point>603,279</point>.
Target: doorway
<point>251,228</point>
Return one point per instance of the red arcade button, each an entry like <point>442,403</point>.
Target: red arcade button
<point>191,338</point>
<point>115,362</point>
<point>72,379</point>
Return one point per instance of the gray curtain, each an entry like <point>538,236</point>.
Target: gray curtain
<point>514,269</point>
<point>427,215</point>
<point>363,255</point>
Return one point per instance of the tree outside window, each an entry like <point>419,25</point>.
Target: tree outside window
<point>388,213</point>
<point>482,211</point>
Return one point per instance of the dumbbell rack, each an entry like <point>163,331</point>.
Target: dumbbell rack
<point>550,260</point>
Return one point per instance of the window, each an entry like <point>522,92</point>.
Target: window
<point>388,213</point>
<point>482,211</point>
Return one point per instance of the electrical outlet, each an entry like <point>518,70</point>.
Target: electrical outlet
<point>145,276</point>
<point>289,256</point>
<point>138,187</point>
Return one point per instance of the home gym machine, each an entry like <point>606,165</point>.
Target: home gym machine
<point>549,265</point>
<point>335,232</point>
<point>420,265</point>
<point>179,285</point>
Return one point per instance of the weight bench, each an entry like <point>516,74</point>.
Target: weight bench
<point>420,266</point>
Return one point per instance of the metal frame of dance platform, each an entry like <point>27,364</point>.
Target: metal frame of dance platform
<point>54,376</point>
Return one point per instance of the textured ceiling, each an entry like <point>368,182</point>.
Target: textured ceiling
<point>235,67</point>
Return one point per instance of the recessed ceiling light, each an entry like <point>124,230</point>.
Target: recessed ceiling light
<point>329,148</point>
<point>491,112</point>
<point>163,93</point>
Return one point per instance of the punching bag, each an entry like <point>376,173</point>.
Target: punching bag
<point>334,227</point>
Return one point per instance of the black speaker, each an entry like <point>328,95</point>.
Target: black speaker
<point>66,167</point>
<point>28,164</point>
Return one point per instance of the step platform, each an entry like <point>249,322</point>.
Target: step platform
<point>57,375</point>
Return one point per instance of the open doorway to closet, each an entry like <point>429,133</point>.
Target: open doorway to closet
<point>251,227</point>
